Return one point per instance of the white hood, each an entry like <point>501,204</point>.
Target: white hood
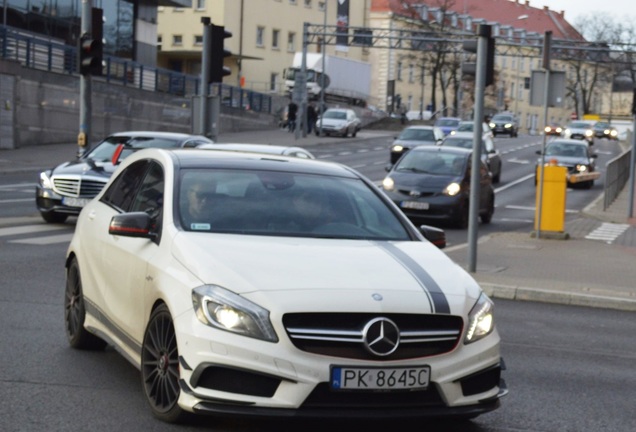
<point>251,264</point>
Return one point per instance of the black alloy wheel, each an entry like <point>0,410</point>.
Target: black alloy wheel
<point>75,313</point>
<point>160,366</point>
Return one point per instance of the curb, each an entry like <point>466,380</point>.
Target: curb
<point>508,292</point>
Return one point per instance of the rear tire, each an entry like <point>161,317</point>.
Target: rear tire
<point>75,313</point>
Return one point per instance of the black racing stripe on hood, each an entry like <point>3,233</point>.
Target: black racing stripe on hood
<point>438,298</point>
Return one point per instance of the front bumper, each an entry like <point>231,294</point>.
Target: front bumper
<point>227,374</point>
<point>47,201</point>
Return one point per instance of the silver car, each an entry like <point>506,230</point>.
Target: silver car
<point>339,121</point>
<point>581,130</point>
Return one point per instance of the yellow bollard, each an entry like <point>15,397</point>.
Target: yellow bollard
<point>553,199</point>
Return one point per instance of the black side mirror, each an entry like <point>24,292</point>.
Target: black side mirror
<point>435,235</point>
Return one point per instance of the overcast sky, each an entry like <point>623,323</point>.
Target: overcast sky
<point>621,10</point>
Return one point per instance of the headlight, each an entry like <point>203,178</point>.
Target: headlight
<point>45,180</point>
<point>452,189</point>
<point>589,133</point>
<point>492,125</point>
<point>397,148</point>
<point>581,168</point>
<point>481,321</point>
<point>613,133</point>
<point>388,183</point>
<point>548,129</point>
<point>222,309</point>
<point>567,132</point>
<point>558,130</point>
<point>508,126</point>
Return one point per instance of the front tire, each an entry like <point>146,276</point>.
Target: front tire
<point>160,367</point>
<point>53,217</point>
<point>75,313</point>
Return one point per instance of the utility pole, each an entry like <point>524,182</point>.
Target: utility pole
<point>205,77</point>
<point>85,108</point>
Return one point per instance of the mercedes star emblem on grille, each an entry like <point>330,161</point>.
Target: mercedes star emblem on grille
<point>381,336</point>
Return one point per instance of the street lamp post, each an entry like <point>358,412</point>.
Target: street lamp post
<point>517,78</point>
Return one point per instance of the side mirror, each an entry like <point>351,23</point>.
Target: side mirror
<point>435,235</point>
<point>134,224</point>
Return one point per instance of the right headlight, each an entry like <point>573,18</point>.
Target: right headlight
<point>452,189</point>
<point>222,309</point>
<point>45,180</point>
<point>481,321</point>
<point>397,148</point>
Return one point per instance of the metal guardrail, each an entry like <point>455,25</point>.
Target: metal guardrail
<point>616,176</point>
<point>53,55</point>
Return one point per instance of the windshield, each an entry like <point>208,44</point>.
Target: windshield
<point>503,118</point>
<point>417,135</point>
<point>339,115</point>
<point>436,163</point>
<point>579,125</point>
<point>105,150</point>
<point>447,122</point>
<point>465,127</point>
<point>284,204</point>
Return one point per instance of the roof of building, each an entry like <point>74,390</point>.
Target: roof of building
<point>504,12</point>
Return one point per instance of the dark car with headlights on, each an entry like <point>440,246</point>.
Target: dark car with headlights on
<point>489,155</point>
<point>605,130</point>
<point>580,130</point>
<point>432,184</point>
<point>576,157</point>
<point>175,264</point>
<point>553,129</point>
<point>64,190</point>
<point>504,123</point>
<point>413,136</point>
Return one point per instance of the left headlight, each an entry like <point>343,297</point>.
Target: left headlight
<point>452,189</point>
<point>481,321</point>
<point>388,184</point>
<point>45,180</point>
<point>222,309</point>
<point>589,133</point>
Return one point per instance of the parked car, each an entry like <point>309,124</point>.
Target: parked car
<point>432,184</point>
<point>367,316</point>
<point>605,130</point>
<point>581,130</point>
<point>447,124</point>
<point>413,136</point>
<point>553,129</point>
<point>64,190</point>
<point>490,155</point>
<point>576,157</point>
<point>261,148</point>
<point>339,121</point>
<point>504,123</point>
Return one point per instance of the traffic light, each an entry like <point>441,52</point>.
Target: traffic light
<point>91,46</point>
<point>469,68</point>
<point>218,53</point>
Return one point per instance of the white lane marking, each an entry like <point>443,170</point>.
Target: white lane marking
<point>29,229</point>
<point>61,238</point>
<point>607,232</point>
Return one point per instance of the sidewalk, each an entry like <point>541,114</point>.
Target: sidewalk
<point>585,269</point>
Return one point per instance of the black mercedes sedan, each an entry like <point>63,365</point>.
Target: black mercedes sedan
<point>64,190</point>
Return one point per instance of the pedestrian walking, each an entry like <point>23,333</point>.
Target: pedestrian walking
<point>292,110</point>
<point>312,117</point>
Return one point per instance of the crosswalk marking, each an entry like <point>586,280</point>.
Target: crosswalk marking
<point>24,229</point>
<point>607,232</point>
<point>61,238</point>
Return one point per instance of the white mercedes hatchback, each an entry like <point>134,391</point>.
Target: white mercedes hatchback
<point>252,284</point>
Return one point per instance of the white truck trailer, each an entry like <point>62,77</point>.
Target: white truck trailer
<point>345,79</point>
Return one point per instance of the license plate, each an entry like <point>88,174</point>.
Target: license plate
<point>364,378</point>
<point>415,205</point>
<point>75,202</point>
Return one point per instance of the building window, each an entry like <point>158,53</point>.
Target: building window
<point>411,73</point>
<point>275,39</point>
<point>293,2</point>
<point>273,80</point>
<point>159,42</point>
<point>177,40</point>
<point>198,40</point>
<point>399,71</point>
<point>200,5</point>
<point>260,34</point>
<point>321,5</point>
<point>291,42</point>
<point>307,3</point>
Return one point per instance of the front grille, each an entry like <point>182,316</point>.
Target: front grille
<point>407,192</point>
<point>78,187</point>
<point>341,334</point>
